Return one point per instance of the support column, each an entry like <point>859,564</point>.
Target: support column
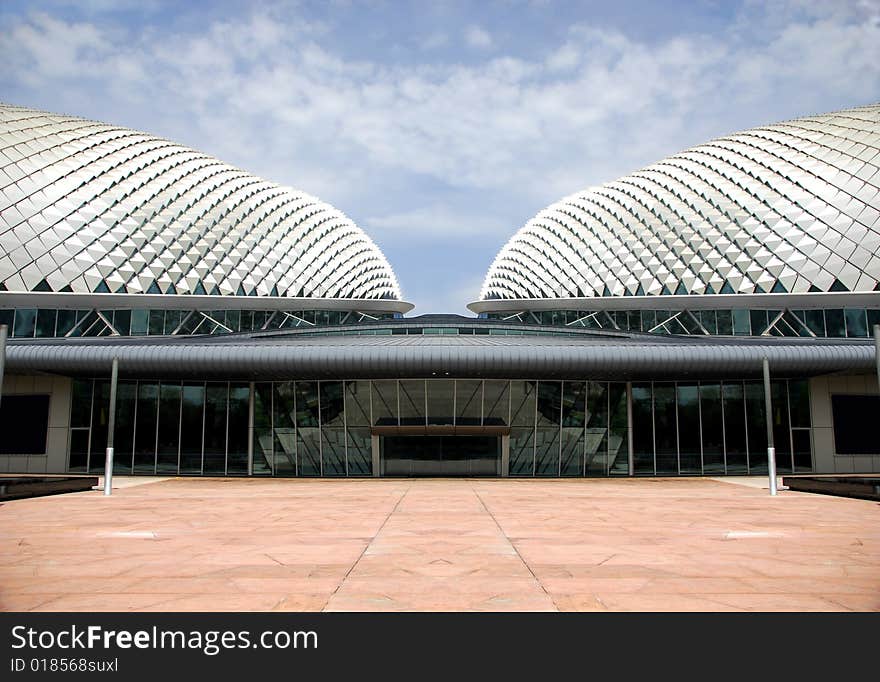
<point>630,454</point>
<point>251,430</point>
<point>768,409</point>
<point>4,330</point>
<point>374,448</point>
<point>111,426</point>
<point>876,354</point>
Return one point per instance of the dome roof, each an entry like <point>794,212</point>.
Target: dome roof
<point>89,207</point>
<point>791,207</point>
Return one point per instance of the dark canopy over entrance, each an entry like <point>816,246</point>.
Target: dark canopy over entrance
<point>440,455</point>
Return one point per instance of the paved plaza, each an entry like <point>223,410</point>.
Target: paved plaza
<point>496,545</point>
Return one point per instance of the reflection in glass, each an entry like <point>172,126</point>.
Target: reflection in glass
<point>643,429</point>
<point>100,421</point>
<point>168,440</point>
<point>412,402</point>
<point>522,451</point>
<point>215,429</point>
<point>736,452</point>
<point>262,429</point>
<point>333,451</point>
<point>360,455</point>
<point>665,437</point>
<point>284,421</point>
<point>123,433</point>
<point>308,436</point>
<point>192,413</point>
<point>237,440</point>
<point>574,405</point>
<point>441,401</point>
<point>385,403</point>
<point>468,402</point>
<point>145,429</point>
<point>357,403</point>
<point>547,435</point>
<point>781,433</point>
<point>496,402</point>
<point>757,427</point>
<point>712,420</point>
<point>332,404</point>
<point>690,456</point>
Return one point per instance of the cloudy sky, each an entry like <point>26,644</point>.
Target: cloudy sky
<point>440,127</point>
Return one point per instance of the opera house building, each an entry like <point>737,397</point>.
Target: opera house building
<point>258,331</point>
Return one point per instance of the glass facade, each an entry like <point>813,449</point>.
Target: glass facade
<point>27,323</point>
<point>831,322</point>
<point>549,428</point>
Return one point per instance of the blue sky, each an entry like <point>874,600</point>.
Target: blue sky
<point>440,127</point>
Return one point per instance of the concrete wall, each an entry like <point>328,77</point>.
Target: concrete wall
<point>55,459</point>
<point>826,459</point>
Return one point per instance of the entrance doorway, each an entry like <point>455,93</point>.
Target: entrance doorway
<point>440,455</point>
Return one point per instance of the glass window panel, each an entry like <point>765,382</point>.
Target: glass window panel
<point>856,323</point>
<point>308,449</point>
<point>45,326</point>
<point>574,406</point>
<point>757,427</point>
<point>25,321</point>
<point>263,461</point>
<point>496,402</point>
<point>140,320</point>
<point>707,317</point>
<point>100,421</point>
<point>712,423</point>
<point>742,322</point>
<point>815,320</point>
<point>360,453</point>
<point>191,416</point>
<point>547,451</point>
<point>81,403</point>
<point>79,450</point>
<point>237,457</point>
<point>759,321</point>
<point>412,402</point>
<point>215,428</point>
<point>168,440</point>
<point>123,433</point>
<point>157,322</point>
<point>689,454</point>
<point>441,399</point>
<point>799,401</point>
<point>385,403</point>
<point>7,317</point>
<point>172,320</point>
<point>873,318</point>
<point>549,403</point>
<point>736,453</point>
<point>522,450</point>
<point>522,403</point>
<point>122,321</point>
<point>284,412</point>
<point>781,432</point>
<point>357,403</point>
<point>65,322</point>
<point>834,323</point>
<point>725,322</point>
<point>607,448</point>
<point>468,402</point>
<point>333,451</point>
<point>145,429</point>
<point>643,429</point>
<point>803,456</point>
<point>332,404</point>
<point>307,403</point>
<point>665,437</point>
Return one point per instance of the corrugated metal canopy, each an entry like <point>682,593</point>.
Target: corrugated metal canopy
<point>279,356</point>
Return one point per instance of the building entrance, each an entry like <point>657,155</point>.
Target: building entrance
<point>440,455</point>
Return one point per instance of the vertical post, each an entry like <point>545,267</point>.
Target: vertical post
<point>630,451</point>
<point>768,409</point>
<point>111,425</point>
<point>251,430</point>
<point>3,333</point>
<point>876,352</point>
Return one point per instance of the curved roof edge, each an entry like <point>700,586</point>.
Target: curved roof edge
<point>523,357</point>
<point>77,301</point>
<point>836,299</point>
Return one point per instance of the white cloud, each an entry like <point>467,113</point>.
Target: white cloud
<point>477,37</point>
<point>270,94</point>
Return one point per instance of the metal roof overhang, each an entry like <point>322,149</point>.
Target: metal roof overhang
<point>511,357</point>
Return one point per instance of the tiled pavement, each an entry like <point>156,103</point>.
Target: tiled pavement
<point>645,544</point>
